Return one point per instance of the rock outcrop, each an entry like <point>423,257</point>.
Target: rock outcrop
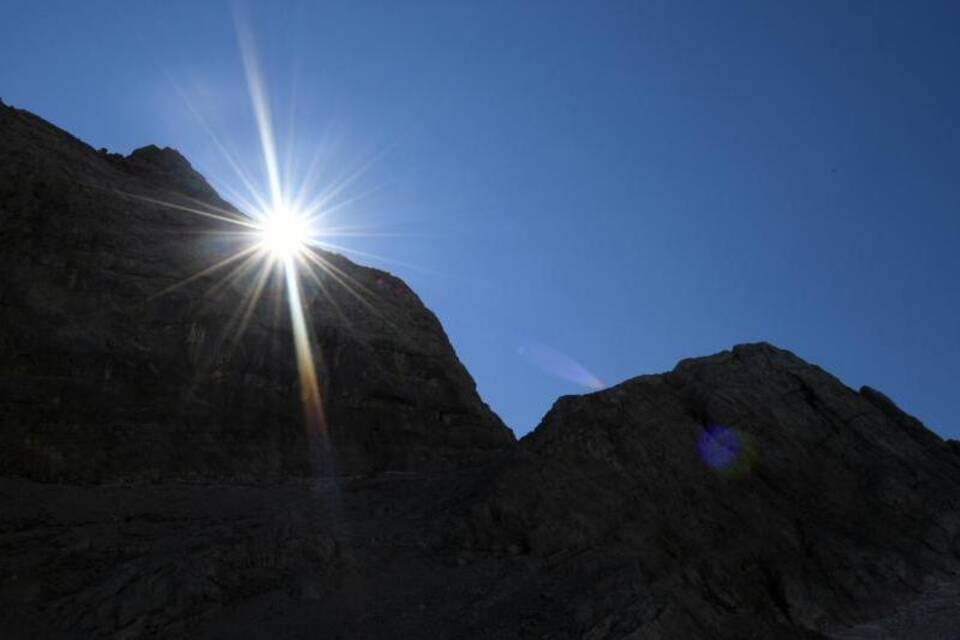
<point>155,477</point>
<point>741,492</point>
<point>111,370</point>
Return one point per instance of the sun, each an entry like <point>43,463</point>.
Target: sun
<point>286,232</point>
<point>283,232</point>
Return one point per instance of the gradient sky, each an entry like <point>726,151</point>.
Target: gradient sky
<point>582,192</point>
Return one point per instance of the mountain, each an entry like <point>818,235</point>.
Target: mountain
<point>157,478</point>
<point>743,492</point>
<point>111,372</point>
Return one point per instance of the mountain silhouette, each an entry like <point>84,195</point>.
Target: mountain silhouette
<point>157,478</point>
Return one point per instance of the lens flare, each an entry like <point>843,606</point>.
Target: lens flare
<point>282,227</point>
<point>314,419</point>
<point>559,365</point>
<point>727,451</point>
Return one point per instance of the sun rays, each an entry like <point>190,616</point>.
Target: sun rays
<point>275,238</point>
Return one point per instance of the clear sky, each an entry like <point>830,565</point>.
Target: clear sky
<point>610,185</point>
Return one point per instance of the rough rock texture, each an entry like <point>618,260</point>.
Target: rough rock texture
<point>934,615</point>
<point>840,506</point>
<point>106,373</point>
<point>155,482</point>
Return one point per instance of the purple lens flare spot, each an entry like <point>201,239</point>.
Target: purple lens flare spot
<point>719,447</point>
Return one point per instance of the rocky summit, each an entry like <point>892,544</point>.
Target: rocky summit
<point>122,357</point>
<point>156,476</point>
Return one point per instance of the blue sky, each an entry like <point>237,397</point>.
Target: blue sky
<point>582,192</point>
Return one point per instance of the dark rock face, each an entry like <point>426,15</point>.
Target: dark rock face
<point>838,505</point>
<point>153,466</point>
<point>168,168</point>
<point>109,372</point>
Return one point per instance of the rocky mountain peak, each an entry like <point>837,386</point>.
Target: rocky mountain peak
<point>107,322</point>
<point>155,476</point>
<point>168,167</point>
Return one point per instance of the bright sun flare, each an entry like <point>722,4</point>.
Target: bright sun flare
<point>283,233</point>
<point>283,224</point>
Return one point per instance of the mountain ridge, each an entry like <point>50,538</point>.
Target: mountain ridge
<point>108,283</point>
<point>155,478</point>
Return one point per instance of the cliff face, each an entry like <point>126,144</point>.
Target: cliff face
<point>111,371</point>
<point>744,494</point>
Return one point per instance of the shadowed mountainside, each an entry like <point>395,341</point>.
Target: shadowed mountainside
<point>155,477</point>
<point>111,371</point>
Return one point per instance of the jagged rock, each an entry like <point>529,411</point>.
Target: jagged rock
<point>742,495</point>
<point>109,372</point>
<point>820,506</point>
<point>167,167</point>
